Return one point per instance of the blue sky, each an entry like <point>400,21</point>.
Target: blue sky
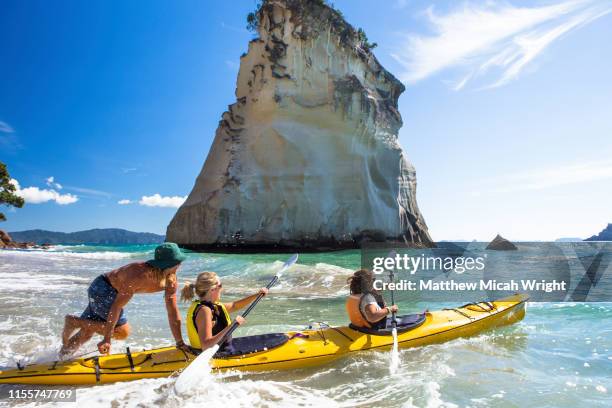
<point>507,112</point>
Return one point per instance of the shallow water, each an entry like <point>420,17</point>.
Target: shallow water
<point>559,356</point>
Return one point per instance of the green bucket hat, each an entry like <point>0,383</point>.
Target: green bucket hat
<point>167,255</point>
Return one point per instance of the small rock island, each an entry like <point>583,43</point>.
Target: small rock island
<point>500,243</point>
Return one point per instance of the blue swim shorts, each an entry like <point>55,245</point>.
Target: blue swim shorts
<point>101,295</point>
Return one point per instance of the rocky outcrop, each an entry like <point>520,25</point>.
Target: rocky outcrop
<point>308,156</point>
<point>605,235</point>
<point>500,243</point>
<point>6,242</point>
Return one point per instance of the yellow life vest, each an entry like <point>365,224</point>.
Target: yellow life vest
<point>221,319</point>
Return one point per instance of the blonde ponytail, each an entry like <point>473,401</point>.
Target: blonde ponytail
<point>204,282</point>
<point>188,292</point>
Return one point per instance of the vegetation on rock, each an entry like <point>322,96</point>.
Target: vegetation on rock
<point>7,191</point>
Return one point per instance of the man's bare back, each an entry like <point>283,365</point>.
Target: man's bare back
<point>137,277</point>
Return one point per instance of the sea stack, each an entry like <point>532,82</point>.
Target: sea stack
<point>500,243</point>
<point>308,156</point>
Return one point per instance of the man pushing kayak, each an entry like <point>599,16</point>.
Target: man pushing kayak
<point>109,293</point>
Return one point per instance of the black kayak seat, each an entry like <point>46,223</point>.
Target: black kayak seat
<point>251,344</point>
<point>404,323</point>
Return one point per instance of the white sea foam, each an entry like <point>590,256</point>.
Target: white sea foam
<point>71,255</point>
<point>23,281</point>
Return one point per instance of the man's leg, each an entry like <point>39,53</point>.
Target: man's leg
<point>76,341</point>
<point>71,323</point>
<point>87,328</point>
<point>122,332</point>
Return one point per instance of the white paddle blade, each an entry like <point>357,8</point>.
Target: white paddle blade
<point>394,354</point>
<point>196,373</point>
<point>290,261</point>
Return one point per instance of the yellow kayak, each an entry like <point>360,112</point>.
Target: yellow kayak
<point>278,351</point>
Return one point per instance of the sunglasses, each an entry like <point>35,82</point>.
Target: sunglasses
<point>219,285</point>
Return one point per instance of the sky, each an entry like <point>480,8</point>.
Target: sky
<point>108,108</point>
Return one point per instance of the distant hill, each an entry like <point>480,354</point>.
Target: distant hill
<point>111,236</point>
<point>605,235</point>
<point>570,239</point>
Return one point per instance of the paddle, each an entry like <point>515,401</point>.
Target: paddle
<point>273,282</point>
<point>392,254</point>
<point>394,350</point>
<point>194,373</point>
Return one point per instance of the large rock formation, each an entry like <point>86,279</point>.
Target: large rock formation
<point>308,155</point>
<point>604,235</point>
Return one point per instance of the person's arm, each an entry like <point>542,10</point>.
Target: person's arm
<point>113,316</point>
<point>174,316</point>
<point>242,303</point>
<point>374,313</point>
<point>204,327</point>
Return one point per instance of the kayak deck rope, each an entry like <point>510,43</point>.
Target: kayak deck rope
<point>97,368</point>
<point>454,309</point>
<point>490,306</point>
<point>320,330</point>
<point>129,356</point>
<point>343,334</point>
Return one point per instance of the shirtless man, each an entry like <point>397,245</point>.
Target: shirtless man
<point>109,293</point>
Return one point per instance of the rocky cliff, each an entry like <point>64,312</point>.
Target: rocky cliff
<point>604,235</point>
<point>308,156</point>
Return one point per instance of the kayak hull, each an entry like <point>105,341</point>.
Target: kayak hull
<point>303,349</point>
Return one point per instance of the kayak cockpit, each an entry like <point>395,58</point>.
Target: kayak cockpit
<point>240,346</point>
<point>404,323</point>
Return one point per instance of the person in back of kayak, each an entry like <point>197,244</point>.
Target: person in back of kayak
<point>109,293</point>
<point>207,318</point>
<point>366,307</point>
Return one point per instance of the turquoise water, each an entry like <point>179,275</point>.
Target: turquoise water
<point>560,355</point>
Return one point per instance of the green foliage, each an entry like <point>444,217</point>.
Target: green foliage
<point>364,42</point>
<point>7,191</point>
<point>253,19</point>
<point>333,7</point>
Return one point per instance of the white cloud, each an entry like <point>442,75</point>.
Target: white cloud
<point>51,183</point>
<point>484,37</point>
<point>5,127</point>
<point>124,202</point>
<point>544,178</point>
<point>35,195</point>
<point>89,191</point>
<point>157,200</point>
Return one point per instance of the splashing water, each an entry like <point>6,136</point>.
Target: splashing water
<point>394,354</point>
<point>196,373</point>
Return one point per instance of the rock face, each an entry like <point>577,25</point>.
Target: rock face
<point>308,155</point>
<point>605,235</point>
<point>6,242</point>
<point>500,243</point>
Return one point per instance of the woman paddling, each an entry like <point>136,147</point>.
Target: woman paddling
<point>366,307</point>
<point>208,319</point>
<point>109,293</point>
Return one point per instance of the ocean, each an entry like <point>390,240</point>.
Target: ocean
<point>560,355</point>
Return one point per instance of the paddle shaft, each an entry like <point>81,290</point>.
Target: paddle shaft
<point>235,325</point>
<point>393,317</point>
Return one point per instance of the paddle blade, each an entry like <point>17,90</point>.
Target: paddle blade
<point>286,265</point>
<point>197,373</point>
<point>290,261</point>
<point>394,354</point>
